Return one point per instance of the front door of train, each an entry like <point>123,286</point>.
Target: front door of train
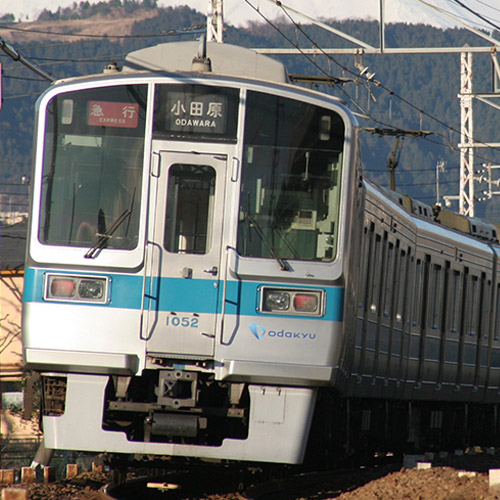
<point>182,283</point>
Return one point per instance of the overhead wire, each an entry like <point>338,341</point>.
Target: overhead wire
<point>17,96</point>
<point>199,29</point>
<point>488,5</point>
<point>9,77</point>
<point>329,57</point>
<point>93,59</point>
<point>433,183</point>
<point>379,84</point>
<point>363,77</point>
<point>376,82</point>
<point>452,15</point>
<point>477,14</point>
<point>192,30</point>
<point>82,59</point>
<point>52,62</point>
<point>312,60</point>
<point>417,170</point>
<point>298,27</point>
<point>71,43</point>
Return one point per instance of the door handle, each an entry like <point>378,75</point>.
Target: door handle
<point>214,270</point>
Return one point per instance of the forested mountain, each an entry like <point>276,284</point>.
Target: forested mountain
<point>413,92</point>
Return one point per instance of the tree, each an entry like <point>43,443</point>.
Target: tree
<point>150,4</point>
<point>10,324</point>
<point>7,18</point>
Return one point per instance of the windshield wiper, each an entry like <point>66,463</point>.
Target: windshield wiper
<point>106,235</point>
<point>283,265</point>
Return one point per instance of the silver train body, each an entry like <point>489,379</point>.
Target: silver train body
<point>204,258</point>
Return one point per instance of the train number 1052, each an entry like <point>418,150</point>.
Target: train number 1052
<point>184,321</point>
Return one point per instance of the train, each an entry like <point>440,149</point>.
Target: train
<point>209,275</point>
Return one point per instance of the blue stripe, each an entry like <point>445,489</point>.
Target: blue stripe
<point>185,295</point>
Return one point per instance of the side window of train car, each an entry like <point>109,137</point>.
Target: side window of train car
<point>485,318</point>
<point>417,297</point>
<point>366,267</point>
<point>454,295</point>
<point>496,337</point>
<point>436,297</point>
<point>290,186</point>
<point>454,315</point>
<point>495,345</point>
<point>375,276</point>
<point>485,307</point>
<point>363,268</point>
<point>472,308</point>
<point>390,286</point>
<point>402,278</point>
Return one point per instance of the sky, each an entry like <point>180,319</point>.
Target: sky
<point>239,13</point>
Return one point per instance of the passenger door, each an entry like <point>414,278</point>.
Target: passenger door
<point>182,285</point>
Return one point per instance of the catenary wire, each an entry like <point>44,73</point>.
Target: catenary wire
<point>176,32</point>
<point>199,28</point>
<point>359,76</point>
<point>488,5</point>
<point>477,14</point>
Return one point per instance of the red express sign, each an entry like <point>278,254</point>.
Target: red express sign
<point>113,114</point>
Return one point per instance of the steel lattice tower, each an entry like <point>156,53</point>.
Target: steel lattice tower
<point>466,191</point>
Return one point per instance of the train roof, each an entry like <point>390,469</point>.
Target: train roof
<point>224,59</point>
<point>478,228</point>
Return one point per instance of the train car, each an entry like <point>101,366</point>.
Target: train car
<point>209,275</point>
<point>421,336</point>
<point>189,248</point>
<point>427,317</point>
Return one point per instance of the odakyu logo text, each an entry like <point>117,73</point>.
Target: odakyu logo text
<point>260,332</point>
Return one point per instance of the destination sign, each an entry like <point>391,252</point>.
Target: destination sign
<point>189,113</point>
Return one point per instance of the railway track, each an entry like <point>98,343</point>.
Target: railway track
<point>248,484</point>
<point>208,485</point>
<point>214,482</point>
<point>193,483</point>
<point>17,452</point>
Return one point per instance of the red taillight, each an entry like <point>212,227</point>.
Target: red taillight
<point>289,301</point>
<point>305,302</point>
<point>62,287</point>
<point>76,288</point>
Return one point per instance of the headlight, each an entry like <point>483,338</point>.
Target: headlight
<point>78,288</point>
<point>91,289</point>
<point>289,301</point>
<point>276,300</point>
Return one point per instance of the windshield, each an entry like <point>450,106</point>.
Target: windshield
<point>92,172</point>
<point>290,193</point>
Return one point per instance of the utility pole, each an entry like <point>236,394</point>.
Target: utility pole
<point>382,26</point>
<point>215,21</point>
<point>466,190</point>
<point>440,167</point>
<point>393,161</point>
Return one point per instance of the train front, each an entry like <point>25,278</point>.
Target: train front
<point>185,270</point>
